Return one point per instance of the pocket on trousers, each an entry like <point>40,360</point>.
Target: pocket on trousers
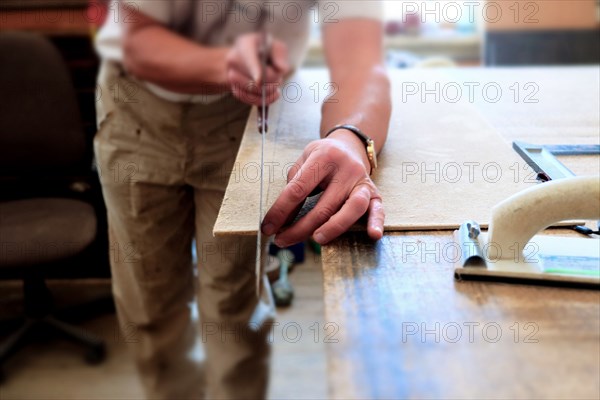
<point>116,148</point>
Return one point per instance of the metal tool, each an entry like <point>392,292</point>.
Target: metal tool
<point>512,250</point>
<point>261,239</point>
<point>572,149</point>
<point>265,309</point>
<point>265,55</point>
<point>541,158</point>
<point>468,238</point>
<point>283,292</point>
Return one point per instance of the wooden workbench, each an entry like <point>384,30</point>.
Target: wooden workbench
<point>399,325</point>
<point>402,327</point>
<point>407,329</point>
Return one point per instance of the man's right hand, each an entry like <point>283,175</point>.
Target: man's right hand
<point>244,69</point>
<point>153,53</point>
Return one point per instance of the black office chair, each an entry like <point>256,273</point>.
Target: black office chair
<point>42,145</point>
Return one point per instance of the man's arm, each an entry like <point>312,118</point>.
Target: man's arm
<point>155,54</point>
<point>364,101</point>
<point>360,77</point>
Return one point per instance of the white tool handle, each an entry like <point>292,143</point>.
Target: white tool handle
<point>517,219</point>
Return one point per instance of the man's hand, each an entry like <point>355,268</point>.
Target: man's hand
<point>339,166</point>
<point>156,54</point>
<point>244,69</point>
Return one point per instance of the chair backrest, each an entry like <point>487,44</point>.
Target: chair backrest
<point>40,124</point>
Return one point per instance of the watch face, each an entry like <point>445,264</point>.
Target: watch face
<point>372,154</point>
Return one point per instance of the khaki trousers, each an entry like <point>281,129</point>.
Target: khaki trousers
<point>164,168</point>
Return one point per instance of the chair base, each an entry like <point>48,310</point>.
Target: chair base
<point>38,318</point>
<point>96,350</point>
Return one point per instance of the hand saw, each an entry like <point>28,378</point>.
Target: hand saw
<point>265,309</point>
<point>262,112</point>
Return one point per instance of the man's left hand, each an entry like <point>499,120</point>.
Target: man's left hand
<point>339,166</point>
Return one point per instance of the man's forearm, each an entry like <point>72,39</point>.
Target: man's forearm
<point>363,88</point>
<point>181,65</point>
<point>362,99</point>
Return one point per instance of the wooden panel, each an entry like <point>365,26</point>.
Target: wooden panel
<point>406,329</point>
<point>445,160</point>
<point>442,152</point>
<point>544,106</point>
<point>540,105</point>
<point>292,125</point>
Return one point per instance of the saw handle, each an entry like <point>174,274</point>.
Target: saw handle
<point>264,54</point>
<point>517,219</point>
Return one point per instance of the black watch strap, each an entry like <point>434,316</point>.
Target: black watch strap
<point>369,143</point>
<point>365,139</point>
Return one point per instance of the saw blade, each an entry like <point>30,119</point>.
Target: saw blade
<point>261,240</point>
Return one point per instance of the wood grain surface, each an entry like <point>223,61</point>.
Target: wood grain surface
<point>448,157</point>
<point>406,329</point>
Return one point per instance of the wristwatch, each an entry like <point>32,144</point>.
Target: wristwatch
<point>369,143</point>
